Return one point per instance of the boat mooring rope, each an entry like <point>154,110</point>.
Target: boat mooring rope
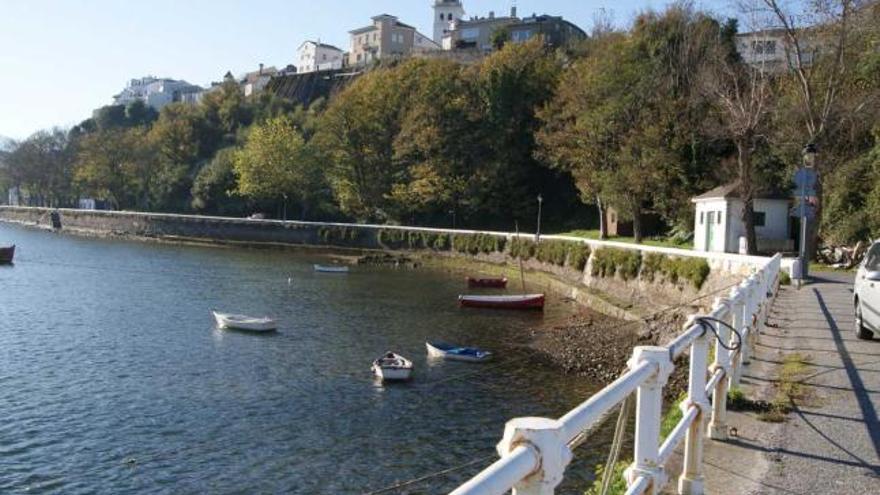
<point>614,453</point>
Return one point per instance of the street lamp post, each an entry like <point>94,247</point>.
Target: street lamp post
<point>538,231</point>
<point>452,214</point>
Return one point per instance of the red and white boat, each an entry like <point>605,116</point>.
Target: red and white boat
<point>526,301</point>
<point>487,283</point>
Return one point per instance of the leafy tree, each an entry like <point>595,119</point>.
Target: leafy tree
<point>116,165</point>
<point>42,164</point>
<point>215,185</point>
<point>276,163</point>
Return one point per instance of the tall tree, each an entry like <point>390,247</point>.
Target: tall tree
<point>276,163</point>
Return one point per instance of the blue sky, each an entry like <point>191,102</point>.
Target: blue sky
<point>60,59</point>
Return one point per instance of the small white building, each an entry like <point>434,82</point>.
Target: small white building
<point>314,56</point>
<point>718,225</point>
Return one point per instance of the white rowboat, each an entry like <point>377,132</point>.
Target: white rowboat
<point>393,367</point>
<point>450,352</point>
<point>331,269</point>
<point>247,323</point>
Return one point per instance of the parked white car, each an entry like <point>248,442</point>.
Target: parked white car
<point>866,295</point>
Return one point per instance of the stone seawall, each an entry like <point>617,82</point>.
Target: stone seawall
<point>626,280</point>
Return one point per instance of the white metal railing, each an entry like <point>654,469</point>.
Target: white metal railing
<point>535,452</point>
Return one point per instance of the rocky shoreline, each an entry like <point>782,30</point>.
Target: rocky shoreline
<point>597,346</point>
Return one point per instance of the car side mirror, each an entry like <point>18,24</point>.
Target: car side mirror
<point>873,276</point>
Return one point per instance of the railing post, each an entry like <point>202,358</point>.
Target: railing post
<point>649,411</point>
<point>751,322</point>
<point>545,437</point>
<point>741,324</point>
<point>718,423</point>
<point>691,480</point>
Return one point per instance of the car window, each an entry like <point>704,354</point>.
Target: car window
<point>872,260</point>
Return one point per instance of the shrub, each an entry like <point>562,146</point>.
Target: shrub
<point>338,235</point>
<point>522,248</point>
<point>578,256</point>
<point>618,483</point>
<point>555,252</point>
<point>608,262</point>
<point>784,278</point>
<point>695,270</point>
<point>478,243</point>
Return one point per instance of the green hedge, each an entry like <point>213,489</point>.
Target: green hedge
<point>559,253</point>
<point>608,262</point>
<point>694,270</point>
<point>478,243</point>
<point>338,235</point>
<point>406,239</point>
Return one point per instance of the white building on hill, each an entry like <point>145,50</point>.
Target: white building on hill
<point>157,92</point>
<point>314,56</point>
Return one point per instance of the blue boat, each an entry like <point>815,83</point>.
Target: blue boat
<point>452,352</point>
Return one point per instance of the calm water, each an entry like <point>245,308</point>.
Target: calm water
<point>114,380</point>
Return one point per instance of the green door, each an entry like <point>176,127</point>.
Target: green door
<point>710,230</point>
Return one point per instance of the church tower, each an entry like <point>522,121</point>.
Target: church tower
<point>445,11</point>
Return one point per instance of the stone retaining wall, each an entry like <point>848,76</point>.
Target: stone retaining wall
<point>641,292</point>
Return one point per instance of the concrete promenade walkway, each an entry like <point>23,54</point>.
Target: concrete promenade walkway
<point>830,443</point>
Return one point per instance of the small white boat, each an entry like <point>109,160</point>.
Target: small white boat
<point>242,322</point>
<point>450,352</point>
<point>393,367</point>
<point>526,301</point>
<point>331,269</point>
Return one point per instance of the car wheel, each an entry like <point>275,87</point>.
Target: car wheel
<point>861,332</point>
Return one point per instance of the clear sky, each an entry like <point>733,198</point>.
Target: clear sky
<point>60,59</point>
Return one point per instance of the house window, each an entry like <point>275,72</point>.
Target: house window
<point>702,217</point>
<point>449,17</point>
<point>764,47</point>
<point>759,218</point>
<point>441,16</point>
<point>718,216</point>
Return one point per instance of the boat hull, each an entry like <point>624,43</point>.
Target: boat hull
<point>331,269</point>
<point>487,283</point>
<point>530,302</point>
<point>234,322</point>
<point>388,374</point>
<point>438,353</point>
<point>6,255</point>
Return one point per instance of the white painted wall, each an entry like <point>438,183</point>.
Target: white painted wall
<point>727,234</point>
<point>313,57</point>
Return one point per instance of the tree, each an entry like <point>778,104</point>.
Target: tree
<point>42,164</point>
<point>742,99</point>
<point>116,165</point>
<point>215,186</point>
<point>821,60</point>
<point>355,137</point>
<point>276,163</point>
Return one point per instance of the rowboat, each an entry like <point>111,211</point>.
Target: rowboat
<point>442,350</point>
<point>6,254</point>
<point>393,367</point>
<point>242,322</point>
<point>487,283</point>
<point>331,269</point>
<point>527,301</point>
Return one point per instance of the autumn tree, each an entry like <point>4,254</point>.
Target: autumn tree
<point>277,163</point>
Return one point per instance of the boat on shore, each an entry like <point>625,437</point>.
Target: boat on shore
<point>245,323</point>
<point>331,269</point>
<point>523,302</point>
<point>6,254</point>
<point>487,283</point>
<point>393,367</point>
<point>450,352</point>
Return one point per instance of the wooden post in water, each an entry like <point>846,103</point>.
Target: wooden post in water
<point>522,276</point>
